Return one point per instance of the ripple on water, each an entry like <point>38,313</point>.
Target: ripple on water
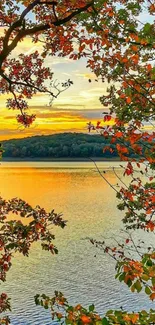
<point>80,271</point>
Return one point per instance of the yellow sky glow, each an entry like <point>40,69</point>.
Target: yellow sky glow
<point>70,112</point>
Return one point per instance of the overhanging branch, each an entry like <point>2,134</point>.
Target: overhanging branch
<point>7,49</point>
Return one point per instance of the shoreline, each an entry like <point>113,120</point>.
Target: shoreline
<point>58,159</point>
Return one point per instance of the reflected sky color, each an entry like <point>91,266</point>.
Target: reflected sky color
<point>83,273</point>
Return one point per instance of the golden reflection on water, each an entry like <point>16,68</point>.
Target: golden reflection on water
<point>62,190</point>
<point>84,274</point>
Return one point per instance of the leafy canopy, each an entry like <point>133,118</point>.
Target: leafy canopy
<point>120,49</point>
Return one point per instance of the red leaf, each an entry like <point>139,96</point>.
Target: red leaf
<point>98,125</point>
<point>119,134</point>
<point>128,100</point>
<point>107,118</point>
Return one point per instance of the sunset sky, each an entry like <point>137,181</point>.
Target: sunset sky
<point>69,112</point>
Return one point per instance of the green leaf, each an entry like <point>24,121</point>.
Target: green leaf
<point>122,277</point>
<point>149,263</point>
<point>109,312</point>
<point>36,299</point>
<point>105,321</point>
<point>138,286</point>
<point>148,290</point>
<point>129,283</point>
<point>91,307</point>
<point>147,28</point>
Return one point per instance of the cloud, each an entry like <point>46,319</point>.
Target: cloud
<point>69,112</point>
<point>58,61</point>
<point>96,91</point>
<point>48,122</point>
<point>86,75</point>
<point>63,116</point>
<point>68,106</point>
<point>66,74</point>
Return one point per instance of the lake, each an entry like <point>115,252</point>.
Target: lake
<point>83,273</point>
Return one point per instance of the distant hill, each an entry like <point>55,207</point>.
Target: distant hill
<point>63,145</point>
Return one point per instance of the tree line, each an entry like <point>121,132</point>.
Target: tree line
<point>65,145</point>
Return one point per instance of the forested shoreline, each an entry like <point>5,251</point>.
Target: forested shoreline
<point>65,146</point>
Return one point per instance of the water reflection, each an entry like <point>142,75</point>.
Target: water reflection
<point>81,272</point>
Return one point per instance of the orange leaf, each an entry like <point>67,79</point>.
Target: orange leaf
<point>118,134</point>
<point>128,100</point>
<point>85,319</point>
<point>135,58</point>
<point>149,67</point>
<point>152,296</point>
<point>124,60</point>
<point>153,198</point>
<point>134,318</point>
<point>135,37</point>
<point>134,48</point>
<point>152,7</point>
<point>150,225</point>
<point>122,95</point>
<point>121,22</point>
<point>111,14</point>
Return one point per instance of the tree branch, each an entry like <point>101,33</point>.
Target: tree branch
<point>7,49</point>
<point>18,23</point>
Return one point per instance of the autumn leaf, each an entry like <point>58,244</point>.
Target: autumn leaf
<point>85,319</point>
<point>134,318</point>
<point>128,100</point>
<point>149,67</point>
<point>152,296</point>
<point>119,134</point>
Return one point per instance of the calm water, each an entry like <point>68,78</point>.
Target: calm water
<point>84,274</point>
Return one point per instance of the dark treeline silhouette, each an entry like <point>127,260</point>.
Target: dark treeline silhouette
<point>63,145</point>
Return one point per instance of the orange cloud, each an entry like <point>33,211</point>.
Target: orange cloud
<point>48,122</point>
